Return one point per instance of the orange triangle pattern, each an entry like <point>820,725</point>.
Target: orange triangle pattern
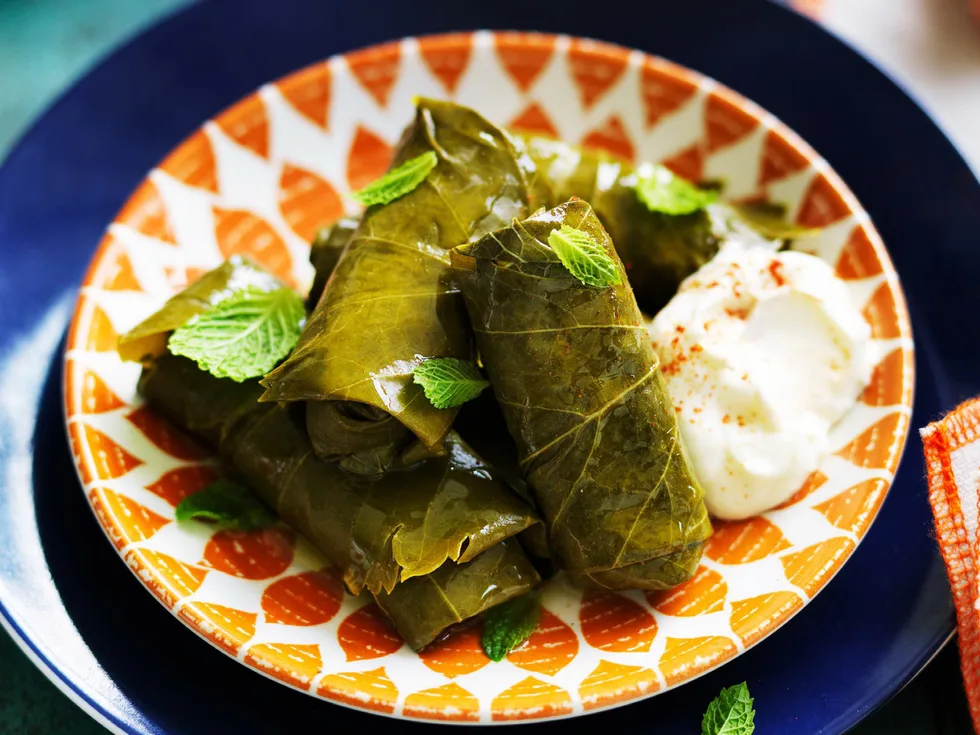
<point>780,158</point>
<point>171,580</point>
<point>878,446</point>
<point>351,688</point>
<point>610,683</point>
<point>822,204</point>
<point>449,702</point>
<point>193,163</point>
<point>109,460</point>
<point>611,136</point>
<point>811,484</point>
<point>859,258</point>
<point>885,388</point>
<point>688,163</point>
<point>704,593</point>
<point>524,56</point>
<point>595,68</point>
<point>226,627</point>
<point>376,69</point>
<point>368,158</point>
<point>175,485</point>
<point>101,335</point>
<point>663,93</point>
<point>753,618</point>
<point>292,663</point>
<point>368,634</point>
<point>534,120</point>
<point>239,232</point>
<point>684,658</point>
<point>250,555</point>
<point>307,202</point>
<point>458,653</point>
<point>96,397</point>
<point>740,542</point>
<point>311,598</point>
<point>247,124</point>
<point>447,57</point>
<point>309,92</point>
<point>849,509</point>
<point>882,313</point>
<point>125,520</point>
<point>120,277</point>
<point>166,436</point>
<point>530,699</point>
<point>814,565</point>
<point>146,213</point>
<point>725,122</point>
<point>551,647</point>
<point>611,622</point>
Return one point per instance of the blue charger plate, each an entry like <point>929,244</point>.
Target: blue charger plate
<point>874,627</point>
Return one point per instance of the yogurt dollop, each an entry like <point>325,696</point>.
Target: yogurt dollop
<point>763,352</point>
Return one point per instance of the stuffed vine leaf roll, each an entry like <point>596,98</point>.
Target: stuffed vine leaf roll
<point>325,251</point>
<point>391,303</point>
<point>580,386</point>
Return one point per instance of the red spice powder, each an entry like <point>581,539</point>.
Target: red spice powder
<point>726,419</point>
<point>737,313</point>
<point>697,348</point>
<point>776,271</point>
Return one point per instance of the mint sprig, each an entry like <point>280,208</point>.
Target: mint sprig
<point>227,505</point>
<point>730,713</point>
<point>661,190</point>
<point>584,257</point>
<point>399,181</point>
<point>508,625</point>
<point>448,381</point>
<point>243,336</point>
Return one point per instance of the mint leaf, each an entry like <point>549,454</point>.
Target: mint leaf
<point>448,382</point>
<point>663,191</point>
<point>243,336</point>
<point>584,257</point>
<point>399,181</point>
<point>508,625</point>
<point>226,504</point>
<point>730,713</point>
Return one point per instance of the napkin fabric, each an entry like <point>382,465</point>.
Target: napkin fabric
<point>952,451</point>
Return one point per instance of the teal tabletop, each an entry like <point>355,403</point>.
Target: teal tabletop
<point>44,45</point>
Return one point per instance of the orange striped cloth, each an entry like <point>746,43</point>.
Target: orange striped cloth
<point>952,449</point>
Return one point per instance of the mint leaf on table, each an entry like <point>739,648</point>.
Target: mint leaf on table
<point>243,336</point>
<point>661,190</point>
<point>227,505</point>
<point>508,625</point>
<point>399,181</point>
<point>449,382</point>
<point>584,257</point>
<point>730,713</point>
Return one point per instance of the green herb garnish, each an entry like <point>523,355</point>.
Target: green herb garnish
<point>243,336</point>
<point>508,625</point>
<point>227,505</point>
<point>663,191</point>
<point>449,382</point>
<point>730,713</point>
<point>584,257</point>
<point>399,181</point>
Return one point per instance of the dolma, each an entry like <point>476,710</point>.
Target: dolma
<point>658,250</point>
<point>581,389</point>
<point>325,251</point>
<point>377,532</point>
<point>391,303</point>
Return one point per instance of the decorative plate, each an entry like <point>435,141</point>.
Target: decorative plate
<point>260,178</point>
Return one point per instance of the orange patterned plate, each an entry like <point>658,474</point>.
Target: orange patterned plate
<point>260,178</point>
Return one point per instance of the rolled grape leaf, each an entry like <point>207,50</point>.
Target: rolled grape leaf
<point>325,251</point>
<point>658,250</point>
<point>580,386</point>
<point>391,303</point>
<point>378,533</point>
<point>148,339</point>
